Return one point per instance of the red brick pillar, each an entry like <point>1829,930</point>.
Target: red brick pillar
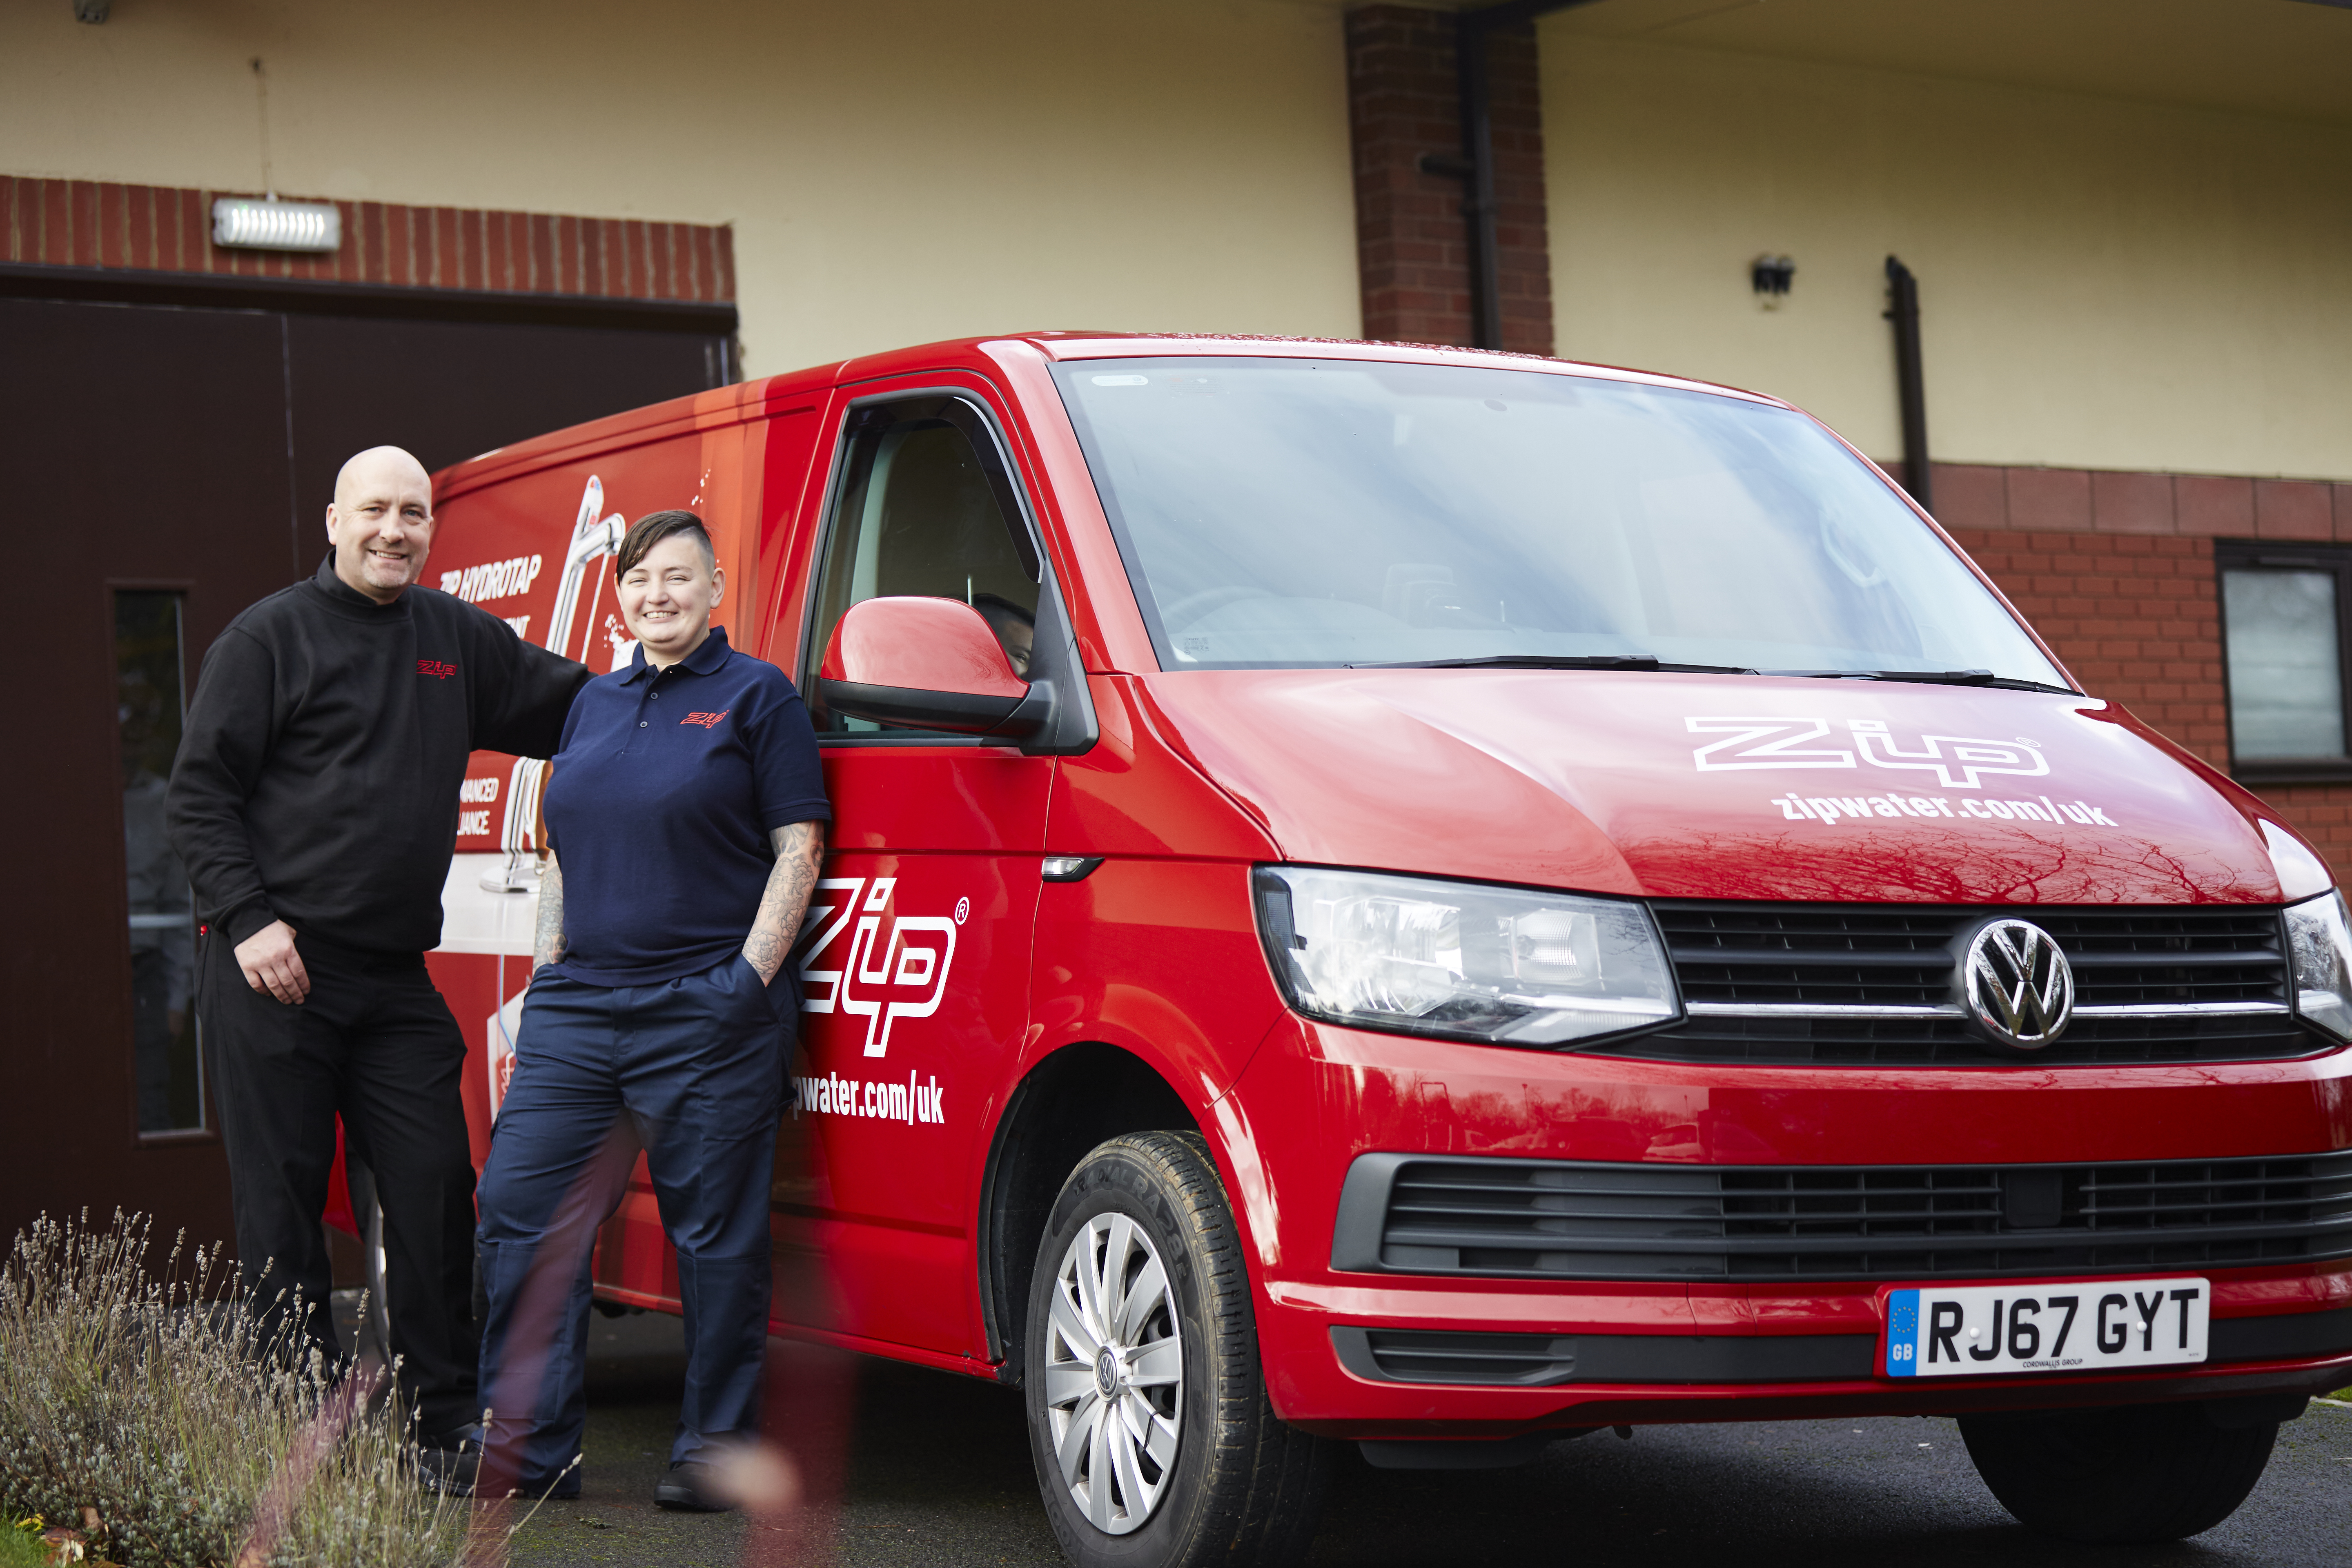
<point>1412,244</point>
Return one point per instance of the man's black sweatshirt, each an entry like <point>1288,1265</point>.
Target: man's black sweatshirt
<point>317,781</point>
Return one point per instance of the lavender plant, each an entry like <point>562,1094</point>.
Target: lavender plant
<point>199,1440</point>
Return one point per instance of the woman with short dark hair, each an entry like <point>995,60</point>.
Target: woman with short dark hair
<point>686,818</point>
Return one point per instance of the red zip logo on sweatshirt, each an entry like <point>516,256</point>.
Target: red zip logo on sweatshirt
<point>439,669</point>
<point>707,720</point>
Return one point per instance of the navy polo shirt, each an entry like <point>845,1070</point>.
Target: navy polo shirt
<point>660,805</point>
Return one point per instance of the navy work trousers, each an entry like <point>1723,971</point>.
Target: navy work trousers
<point>690,1071</point>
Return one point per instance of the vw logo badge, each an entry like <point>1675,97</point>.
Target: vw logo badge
<point>2019,985</point>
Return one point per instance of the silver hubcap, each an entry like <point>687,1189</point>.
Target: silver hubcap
<point>1113,1373</point>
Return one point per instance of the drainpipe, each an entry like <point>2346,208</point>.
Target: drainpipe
<point>1474,167</point>
<point>1470,29</point>
<point>1911,392</point>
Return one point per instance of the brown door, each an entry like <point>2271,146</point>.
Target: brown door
<point>166,466</point>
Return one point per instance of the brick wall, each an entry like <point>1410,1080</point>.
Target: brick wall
<point>151,228</point>
<point>2135,619</point>
<point>2116,570</point>
<point>1412,246</point>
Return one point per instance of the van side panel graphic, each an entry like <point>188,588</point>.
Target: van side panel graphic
<point>886,974</point>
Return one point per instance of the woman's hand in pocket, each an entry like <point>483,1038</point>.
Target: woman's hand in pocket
<point>765,954</point>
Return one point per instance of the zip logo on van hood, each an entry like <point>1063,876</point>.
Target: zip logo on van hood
<point>884,975</point>
<point>1959,762</point>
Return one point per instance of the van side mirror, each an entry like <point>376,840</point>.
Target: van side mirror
<point>927,664</point>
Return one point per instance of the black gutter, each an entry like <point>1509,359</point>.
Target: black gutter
<point>201,291</point>
<point>1476,164</point>
<point>1910,384</point>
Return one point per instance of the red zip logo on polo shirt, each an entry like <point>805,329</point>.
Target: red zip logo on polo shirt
<point>439,669</point>
<point>707,720</point>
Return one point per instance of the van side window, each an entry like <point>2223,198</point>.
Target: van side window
<point>925,507</point>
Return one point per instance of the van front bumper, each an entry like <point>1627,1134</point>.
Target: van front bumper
<point>1380,1362</point>
<point>1375,1346</point>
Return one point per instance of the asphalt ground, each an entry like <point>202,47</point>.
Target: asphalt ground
<point>905,1466</point>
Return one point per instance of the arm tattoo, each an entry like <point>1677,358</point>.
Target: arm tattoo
<point>547,943</point>
<point>800,854</point>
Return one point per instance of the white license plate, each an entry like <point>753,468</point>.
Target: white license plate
<point>1981,1329</point>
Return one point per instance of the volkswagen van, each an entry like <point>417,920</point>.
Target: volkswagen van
<point>1441,902</point>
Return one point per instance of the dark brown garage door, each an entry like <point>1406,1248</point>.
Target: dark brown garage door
<point>167,455</point>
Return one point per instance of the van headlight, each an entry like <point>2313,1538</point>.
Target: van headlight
<point>2319,947</point>
<point>1460,960</point>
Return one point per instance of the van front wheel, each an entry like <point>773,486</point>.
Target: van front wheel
<point>2129,1473</point>
<point>1154,1442</point>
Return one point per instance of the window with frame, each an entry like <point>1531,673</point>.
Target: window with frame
<point>925,508</point>
<point>151,702</point>
<point>2284,652</point>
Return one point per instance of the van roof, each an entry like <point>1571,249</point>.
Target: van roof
<point>749,399</point>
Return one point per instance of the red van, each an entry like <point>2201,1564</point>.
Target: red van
<point>1448,901</point>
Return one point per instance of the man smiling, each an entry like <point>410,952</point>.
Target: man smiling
<point>314,803</point>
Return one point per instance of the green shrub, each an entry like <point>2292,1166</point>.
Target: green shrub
<point>147,1400</point>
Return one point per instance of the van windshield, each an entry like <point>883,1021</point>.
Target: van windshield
<point>1278,512</point>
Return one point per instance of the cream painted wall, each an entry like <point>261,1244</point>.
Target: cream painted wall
<point>2103,284</point>
<point>894,172</point>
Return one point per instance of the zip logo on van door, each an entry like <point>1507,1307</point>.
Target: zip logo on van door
<point>1959,762</point>
<point>886,974</point>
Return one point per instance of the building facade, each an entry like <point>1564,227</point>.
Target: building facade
<point>2127,223</point>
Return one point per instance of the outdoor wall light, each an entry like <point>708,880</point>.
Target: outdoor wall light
<point>1769,275</point>
<point>242,224</point>
<point>91,11</point>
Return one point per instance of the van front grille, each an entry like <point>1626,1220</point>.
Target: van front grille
<point>1877,984</point>
<point>1947,1041</point>
<point>1575,1220</point>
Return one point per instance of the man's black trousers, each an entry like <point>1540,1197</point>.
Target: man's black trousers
<point>376,1044</point>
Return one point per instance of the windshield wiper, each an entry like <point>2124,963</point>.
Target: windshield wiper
<point>1930,678</point>
<point>1643,661</point>
<point>1562,661</point>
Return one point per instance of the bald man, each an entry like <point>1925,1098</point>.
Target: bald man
<point>314,803</point>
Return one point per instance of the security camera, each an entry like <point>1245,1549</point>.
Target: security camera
<point>1769,275</point>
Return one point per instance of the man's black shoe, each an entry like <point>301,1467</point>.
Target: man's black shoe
<point>460,1476</point>
<point>454,1468</point>
<point>561,1489</point>
<point>450,1471</point>
<point>449,1462</point>
<point>690,1488</point>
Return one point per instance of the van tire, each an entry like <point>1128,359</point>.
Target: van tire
<point>1243,1488</point>
<point>2124,1473</point>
